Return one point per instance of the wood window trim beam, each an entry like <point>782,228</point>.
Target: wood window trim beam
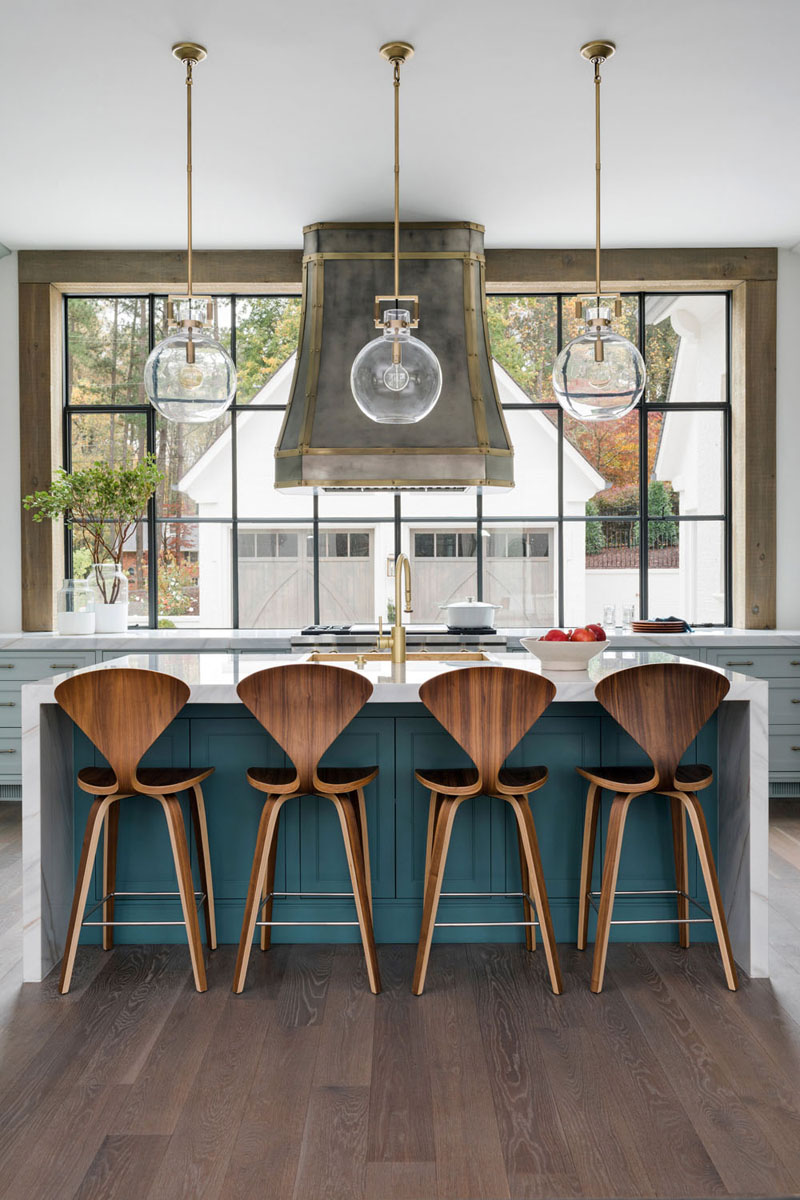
<point>749,274</point>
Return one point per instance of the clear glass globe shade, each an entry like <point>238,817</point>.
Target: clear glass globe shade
<point>599,391</point>
<point>194,392</point>
<point>396,393</point>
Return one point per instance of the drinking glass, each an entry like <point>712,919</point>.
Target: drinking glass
<point>628,612</point>
<point>609,616</point>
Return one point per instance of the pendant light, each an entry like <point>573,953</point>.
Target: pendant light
<point>189,377</point>
<point>396,379</point>
<point>599,376</point>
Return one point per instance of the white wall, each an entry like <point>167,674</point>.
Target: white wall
<point>788,477</point>
<point>10,606</point>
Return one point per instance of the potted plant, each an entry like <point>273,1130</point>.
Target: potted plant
<point>102,505</point>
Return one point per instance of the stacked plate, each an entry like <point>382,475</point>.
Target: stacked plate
<point>658,626</point>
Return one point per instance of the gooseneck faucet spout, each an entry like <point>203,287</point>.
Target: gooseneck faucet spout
<point>396,640</point>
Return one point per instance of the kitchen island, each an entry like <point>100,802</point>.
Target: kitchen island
<point>396,732</point>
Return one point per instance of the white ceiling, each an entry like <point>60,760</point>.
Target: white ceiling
<point>293,120</point>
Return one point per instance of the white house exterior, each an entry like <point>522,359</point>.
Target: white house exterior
<point>275,578</point>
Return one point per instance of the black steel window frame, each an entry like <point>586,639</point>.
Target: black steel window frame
<point>558,519</point>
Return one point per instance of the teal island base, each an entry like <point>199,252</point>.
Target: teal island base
<point>483,855</point>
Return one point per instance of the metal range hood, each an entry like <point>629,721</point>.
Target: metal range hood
<point>326,441</point>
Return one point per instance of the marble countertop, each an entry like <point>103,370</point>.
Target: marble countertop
<point>256,640</point>
<point>213,677</point>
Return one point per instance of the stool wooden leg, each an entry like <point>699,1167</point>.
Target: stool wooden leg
<point>198,810</point>
<point>110,832</point>
<point>680,848</point>
<point>361,817</point>
<point>91,837</point>
<point>616,828</point>
<point>183,869</point>
<point>587,861</point>
<point>434,874</point>
<point>355,861</point>
<point>267,833</point>
<point>269,887</point>
<point>704,852</point>
<point>527,830</point>
<point>433,811</point>
<point>527,911</point>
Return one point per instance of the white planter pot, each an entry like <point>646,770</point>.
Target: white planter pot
<point>111,618</point>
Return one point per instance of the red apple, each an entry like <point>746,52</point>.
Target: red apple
<point>598,631</point>
<point>582,635</point>
<point>555,635</point>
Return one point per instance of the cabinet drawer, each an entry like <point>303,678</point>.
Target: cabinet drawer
<point>28,667</point>
<point>763,664</point>
<point>784,751</point>
<point>10,753</point>
<point>10,706</point>
<point>784,703</point>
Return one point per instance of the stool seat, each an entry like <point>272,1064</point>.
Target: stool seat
<point>153,780</point>
<point>691,777</point>
<point>465,781</point>
<point>332,780</point>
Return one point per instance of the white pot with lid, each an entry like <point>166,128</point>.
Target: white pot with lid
<point>469,613</point>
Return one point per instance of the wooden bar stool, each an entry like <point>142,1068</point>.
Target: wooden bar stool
<point>122,712</point>
<point>305,706</point>
<point>488,710</point>
<point>663,706</point>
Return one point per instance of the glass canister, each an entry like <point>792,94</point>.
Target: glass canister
<point>75,607</point>
<point>110,597</point>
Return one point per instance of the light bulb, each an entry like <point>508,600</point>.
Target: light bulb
<point>396,377</point>
<point>190,376</point>
<point>396,393</point>
<point>190,392</point>
<point>603,390</point>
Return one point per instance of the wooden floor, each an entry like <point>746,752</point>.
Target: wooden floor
<point>308,1087</point>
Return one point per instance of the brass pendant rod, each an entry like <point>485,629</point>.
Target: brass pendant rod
<point>597,82</point>
<point>396,181</point>
<point>189,65</point>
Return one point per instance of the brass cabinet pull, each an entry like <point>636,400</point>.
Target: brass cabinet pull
<point>7,666</point>
<point>795,701</point>
<point>748,662</point>
<point>13,703</point>
<point>14,751</point>
<point>796,747</point>
<point>66,666</point>
<point>795,662</point>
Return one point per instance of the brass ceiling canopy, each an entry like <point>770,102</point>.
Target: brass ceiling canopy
<point>326,440</point>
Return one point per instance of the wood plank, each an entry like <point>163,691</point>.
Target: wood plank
<point>40,450</point>
<point>469,1156</point>
<point>401,1106</point>
<point>518,267</point>
<point>123,1168</point>
<point>753,392</point>
<point>162,1087</point>
<point>304,989</point>
<point>400,1181</point>
<point>741,1154</point>
<point>771,1094</point>
<point>147,270</point>
<point>344,1055</point>
<point>271,1134</point>
<point>196,1159</point>
<point>334,1150</point>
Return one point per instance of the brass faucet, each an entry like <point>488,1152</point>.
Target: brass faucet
<point>396,640</point>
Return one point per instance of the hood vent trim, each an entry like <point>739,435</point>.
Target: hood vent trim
<point>326,442</point>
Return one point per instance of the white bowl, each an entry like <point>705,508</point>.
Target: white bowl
<point>563,656</point>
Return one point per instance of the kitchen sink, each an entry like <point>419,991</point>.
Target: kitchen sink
<point>334,656</point>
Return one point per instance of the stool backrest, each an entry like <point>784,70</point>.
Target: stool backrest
<point>305,706</point>
<point>663,706</point>
<point>122,711</point>
<point>488,710</point>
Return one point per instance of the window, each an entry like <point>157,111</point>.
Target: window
<point>626,512</point>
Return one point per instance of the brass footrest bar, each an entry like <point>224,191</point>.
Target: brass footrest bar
<point>487,924</point>
<point>199,897</point>
<point>310,896</point>
<point>707,920</point>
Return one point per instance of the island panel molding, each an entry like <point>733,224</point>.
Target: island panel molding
<point>749,274</point>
